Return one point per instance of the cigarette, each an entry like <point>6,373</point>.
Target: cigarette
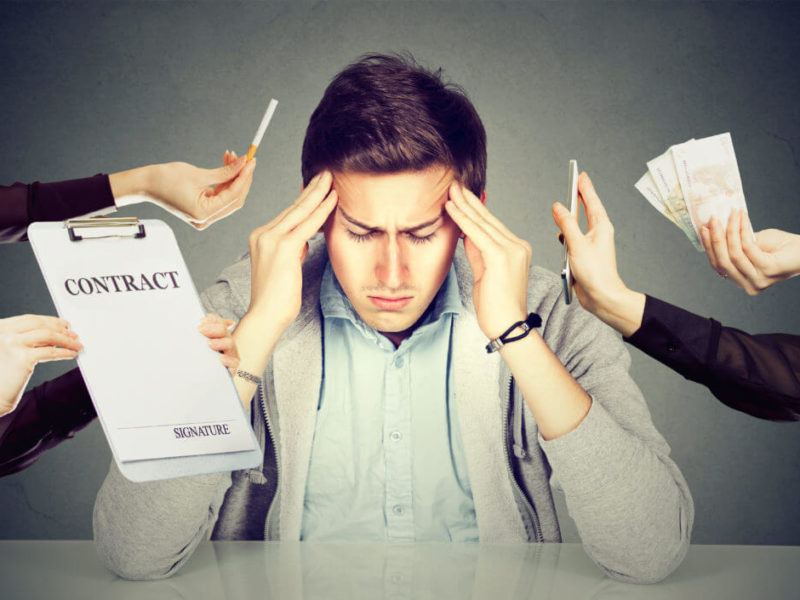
<point>261,129</point>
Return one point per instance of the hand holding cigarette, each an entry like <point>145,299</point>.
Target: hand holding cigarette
<point>197,196</point>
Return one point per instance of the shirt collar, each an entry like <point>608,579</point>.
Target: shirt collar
<point>335,303</point>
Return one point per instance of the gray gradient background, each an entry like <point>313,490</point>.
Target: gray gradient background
<point>104,87</point>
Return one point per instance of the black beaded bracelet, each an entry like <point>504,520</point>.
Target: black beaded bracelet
<point>531,321</point>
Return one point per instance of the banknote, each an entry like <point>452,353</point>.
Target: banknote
<point>647,187</point>
<point>709,177</point>
<point>665,176</point>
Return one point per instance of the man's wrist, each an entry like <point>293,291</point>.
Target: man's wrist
<point>501,324</point>
<point>256,338</point>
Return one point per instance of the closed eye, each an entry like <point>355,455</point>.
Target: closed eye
<point>361,237</point>
<point>414,239</point>
<point>421,239</point>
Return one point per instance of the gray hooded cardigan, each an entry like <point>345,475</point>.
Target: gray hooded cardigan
<point>630,503</point>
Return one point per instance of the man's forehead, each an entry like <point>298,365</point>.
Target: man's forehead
<point>413,191</point>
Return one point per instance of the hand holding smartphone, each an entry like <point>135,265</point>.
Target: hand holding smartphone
<point>567,279</point>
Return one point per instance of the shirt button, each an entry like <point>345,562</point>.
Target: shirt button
<point>398,509</point>
<point>398,362</point>
<point>673,347</point>
<point>396,578</point>
<point>396,436</point>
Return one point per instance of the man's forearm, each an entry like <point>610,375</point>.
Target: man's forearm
<point>556,400</point>
<point>630,503</point>
<point>149,530</point>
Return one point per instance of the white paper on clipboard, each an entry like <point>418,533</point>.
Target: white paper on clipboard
<point>159,390</point>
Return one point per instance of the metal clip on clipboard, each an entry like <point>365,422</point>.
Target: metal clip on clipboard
<point>136,227</point>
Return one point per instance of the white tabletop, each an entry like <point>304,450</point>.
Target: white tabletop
<point>264,570</point>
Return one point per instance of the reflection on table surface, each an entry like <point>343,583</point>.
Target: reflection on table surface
<point>293,570</point>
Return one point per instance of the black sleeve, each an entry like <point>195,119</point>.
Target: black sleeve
<point>756,374</point>
<point>45,416</point>
<point>21,204</point>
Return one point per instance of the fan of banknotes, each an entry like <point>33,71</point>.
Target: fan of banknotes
<point>694,181</point>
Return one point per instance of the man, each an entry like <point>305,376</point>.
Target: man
<point>381,413</point>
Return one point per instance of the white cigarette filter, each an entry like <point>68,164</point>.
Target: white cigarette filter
<point>262,128</point>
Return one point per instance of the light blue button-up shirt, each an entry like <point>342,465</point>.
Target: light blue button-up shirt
<point>387,461</point>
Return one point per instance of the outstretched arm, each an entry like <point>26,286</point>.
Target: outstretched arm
<point>757,374</point>
<point>198,196</point>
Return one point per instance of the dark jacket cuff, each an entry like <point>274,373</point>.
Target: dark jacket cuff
<point>62,200</point>
<point>684,341</point>
<point>46,416</point>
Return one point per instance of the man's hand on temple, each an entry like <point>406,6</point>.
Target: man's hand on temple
<point>499,260</point>
<point>277,251</point>
<point>500,263</point>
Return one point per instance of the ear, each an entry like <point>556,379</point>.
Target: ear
<point>483,197</point>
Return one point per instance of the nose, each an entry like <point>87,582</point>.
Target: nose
<point>391,269</point>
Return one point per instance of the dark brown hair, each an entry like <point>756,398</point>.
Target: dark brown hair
<point>386,114</point>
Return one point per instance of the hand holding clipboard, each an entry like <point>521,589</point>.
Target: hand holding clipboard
<point>168,409</point>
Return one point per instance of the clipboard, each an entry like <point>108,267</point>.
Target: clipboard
<point>167,405</point>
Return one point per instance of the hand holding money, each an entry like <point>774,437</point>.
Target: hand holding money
<point>697,186</point>
<point>692,182</point>
<point>752,261</point>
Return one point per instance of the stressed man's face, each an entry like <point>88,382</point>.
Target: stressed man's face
<point>391,244</point>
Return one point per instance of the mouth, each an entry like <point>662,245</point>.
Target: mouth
<point>390,303</point>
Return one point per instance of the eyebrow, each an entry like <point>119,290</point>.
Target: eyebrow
<point>413,229</point>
